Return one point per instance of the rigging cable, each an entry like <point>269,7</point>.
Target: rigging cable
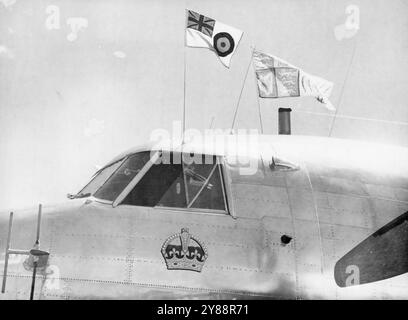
<point>342,88</point>
<point>240,94</point>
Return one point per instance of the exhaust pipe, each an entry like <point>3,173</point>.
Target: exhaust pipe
<point>284,120</point>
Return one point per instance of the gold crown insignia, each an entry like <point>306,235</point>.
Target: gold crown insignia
<point>183,251</point>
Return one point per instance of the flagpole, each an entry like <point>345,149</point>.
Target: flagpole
<point>257,98</point>
<point>259,113</point>
<point>184,94</point>
<point>242,89</point>
<point>184,77</point>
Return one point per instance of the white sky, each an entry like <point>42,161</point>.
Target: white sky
<point>66,106</point>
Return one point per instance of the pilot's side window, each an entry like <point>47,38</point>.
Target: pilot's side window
<point>205,189</point>
<point>121,177</point>
<point>162,185</point>
<point>183,182</point>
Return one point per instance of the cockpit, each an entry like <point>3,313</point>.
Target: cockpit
<point>163,179</point>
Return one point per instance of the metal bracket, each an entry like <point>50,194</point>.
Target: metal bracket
<point>38,258</point>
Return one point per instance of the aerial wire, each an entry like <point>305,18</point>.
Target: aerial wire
<point>342,88</point>
<point>402,123</point>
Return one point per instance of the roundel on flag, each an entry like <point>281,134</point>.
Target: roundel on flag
<point>223,44</point>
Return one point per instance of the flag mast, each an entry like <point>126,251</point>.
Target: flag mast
<point>184,93</point>
<point>242,89</point>
<point>184,81</point>
<point>257,96</point>
<point>205,32</point>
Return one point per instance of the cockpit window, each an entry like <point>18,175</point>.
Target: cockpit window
<point>181,184</point>
<point>161,185</point>
<point>121,177</point>
<point>204,184</point>
<point>99,179</point>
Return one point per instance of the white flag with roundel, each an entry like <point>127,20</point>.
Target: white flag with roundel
<point>204,32</point>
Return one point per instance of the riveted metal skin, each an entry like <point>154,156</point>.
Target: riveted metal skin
<point>341,194</point>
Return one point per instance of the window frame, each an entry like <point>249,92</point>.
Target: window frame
<point>123,160</point>
<point>220,162</point>
<point>97,174</point>
<point>213,169</point>
<point>136,179</point>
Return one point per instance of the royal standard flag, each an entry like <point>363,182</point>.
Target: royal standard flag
<point>204,32</point>
<point>277,79</point>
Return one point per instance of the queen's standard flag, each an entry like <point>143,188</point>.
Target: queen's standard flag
<point>204,32</point>
<point>277,79</point>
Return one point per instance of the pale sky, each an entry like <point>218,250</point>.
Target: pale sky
<point>71,101</point>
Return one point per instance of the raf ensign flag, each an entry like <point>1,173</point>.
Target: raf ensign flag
<point>204,32</point>
<point>277,78</point>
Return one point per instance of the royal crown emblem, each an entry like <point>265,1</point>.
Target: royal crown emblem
<point>183,251</point>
